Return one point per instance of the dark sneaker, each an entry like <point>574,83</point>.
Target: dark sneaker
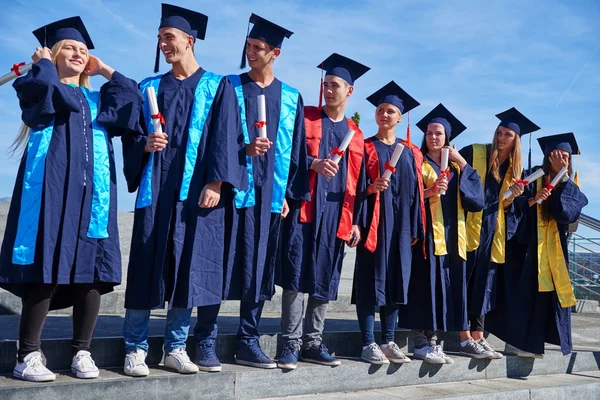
<point>206,358</point>
<point>474,350</point>
<point>248,352</point>
<point>320,355</point>
<point>289,357</point>
<point>488,347</point>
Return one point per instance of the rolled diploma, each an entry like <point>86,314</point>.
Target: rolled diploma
<point>394,160</point>
<point>151,94</point>
<point>11,75</point>
<point>262,116</point>
<point>336,157</point>
<point>444,166</point>
<point>555,181</point>
<point>528,179</point>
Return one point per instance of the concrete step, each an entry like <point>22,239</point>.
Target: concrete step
<point>584,385</point>
<point>237,382</point>
<point>341,335</point>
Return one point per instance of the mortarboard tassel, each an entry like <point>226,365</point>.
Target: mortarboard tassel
<point>157,59</point>
<point>243,62</point>
<point>321,88</point>
<point>529,156</point>
<point>408,127</point>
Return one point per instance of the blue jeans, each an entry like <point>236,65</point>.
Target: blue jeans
<point>366,320</point>
<point>135,329</point>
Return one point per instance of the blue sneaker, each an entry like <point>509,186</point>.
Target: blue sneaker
<point>248,352</point>
<point>289,356</point>
<point>206,358</point>
<point>320,355</point>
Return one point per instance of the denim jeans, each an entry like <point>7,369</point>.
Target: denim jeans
<point>135,329</point>
<point>388,316</point>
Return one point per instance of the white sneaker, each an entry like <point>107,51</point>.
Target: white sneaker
<point>510,349</point>
<point>440,352</point>
<point>179,360</point>
<point>135,364</point>
<point>429,355</point>
<point>33,369</point>
<point>394,354</point>
<point>373,354</point>
<point>83,366</point>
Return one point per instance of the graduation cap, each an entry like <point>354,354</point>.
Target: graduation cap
<point>393,94</point>
<point>440,115</point>
<point>563,141</point>
<point>265,31</point>
<point>343,67</point>
<point>68,28</point>
<point>191,22</point>
<point>513,119</point>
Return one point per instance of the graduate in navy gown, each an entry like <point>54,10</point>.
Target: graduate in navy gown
<point>536,295</point>
<point>61,244</point>
<point>438,285</point>
<point>277,169</point>
<point>315,233</point>
<point>488,232</point>
<point>394,224</point>
<point>183,179</point>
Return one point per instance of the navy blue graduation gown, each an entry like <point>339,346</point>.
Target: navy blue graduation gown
<point>481,271</point>
<point>438,286</point>
<point>63,253</point>
<point>312,255</point>
<point>525,317</point>
<point>382,277</point>
<point>252,233</point>
<point>177,247</point>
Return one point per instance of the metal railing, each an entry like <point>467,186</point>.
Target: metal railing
<point>584,261</point>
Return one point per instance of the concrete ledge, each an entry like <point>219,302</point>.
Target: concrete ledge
<point>586,306</point>
<point>236,382</point>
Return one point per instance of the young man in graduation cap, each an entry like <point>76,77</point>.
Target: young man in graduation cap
<point>316,232</point>
<point>499,165</point>
<point>277,169</point>
<point>181,175</point>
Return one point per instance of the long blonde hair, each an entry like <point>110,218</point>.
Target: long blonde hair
<point>22,138</point>
<point>515,162</point>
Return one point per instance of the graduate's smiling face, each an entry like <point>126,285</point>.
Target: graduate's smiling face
<point>387,115</point>
<point>336,90</point>
<point>259,53</point>
<point>505,138</point>
<point>175,44</point>
<point>72,58</point>
<point>435,137</point>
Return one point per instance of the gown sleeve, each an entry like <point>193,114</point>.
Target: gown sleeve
<point>134,155</point>
<point>297,187</point>
<point>566,203</point>
<point>227,152</point>
<point>416,220</point>
<point>471,190</point>
<point>120,105</point>
<point>42,95</point>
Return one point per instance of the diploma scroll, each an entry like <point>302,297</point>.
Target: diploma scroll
<point>262,117</point>
<point>16,71</point>
<point>157,118</point>
<point>555,181</point>
<point>390,166</point>
<point>526,181</point>
<point>444,166</point>
<point>338,153</point>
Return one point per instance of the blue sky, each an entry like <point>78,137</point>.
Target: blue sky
<point>478,58</point>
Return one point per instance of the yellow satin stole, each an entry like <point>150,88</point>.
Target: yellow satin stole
<point>437,215</point>
<point>553,273</point>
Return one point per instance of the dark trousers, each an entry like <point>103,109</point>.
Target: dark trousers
<point>36,304</point>
<point>476,323</point>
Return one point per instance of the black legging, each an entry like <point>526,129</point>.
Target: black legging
<point>476,323</point>
<point>36,303</point>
